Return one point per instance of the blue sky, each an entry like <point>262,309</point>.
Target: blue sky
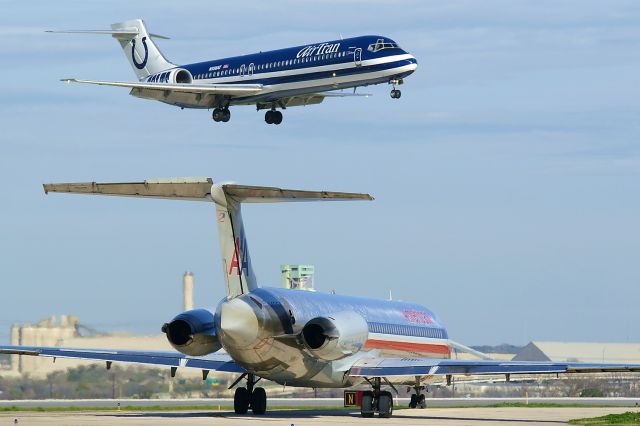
<point>506,178</point>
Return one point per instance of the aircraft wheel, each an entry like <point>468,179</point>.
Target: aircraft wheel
<point>395,94</point>
<point>259,401</point>
<point>268,117</point>
<point>414,401</point>
<point>241,401</point>
<point>217,115</point>
<point>226,115</point>
<point>366,405</point>
<point>422,401</point>
<point>385,404</point>
<point>277,117</point>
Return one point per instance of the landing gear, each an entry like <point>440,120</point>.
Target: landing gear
<point>249,397</point>
<point>396,93</point>
<point>418,399</point>
<point>376,401</point>
<point>273,117</point>
<point>221,114</point>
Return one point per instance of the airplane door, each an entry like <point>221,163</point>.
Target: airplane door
<point>243,68</point>
<point>357,57</point>
<point>250,70</point>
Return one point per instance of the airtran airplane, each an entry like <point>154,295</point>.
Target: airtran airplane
<point>295,337</point>
<point>272,81</point>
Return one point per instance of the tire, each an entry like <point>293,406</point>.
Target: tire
<point>422,401</point>
<point>226,115</point>
<point>241,401</point>
<point>217,115</point>
<point>385,404</point>
<point>366,405</point>
<point>398,94</point>
<point>414,401</point>
<point>277,119</point>
<point>259,401</point>
<point>268,117</point>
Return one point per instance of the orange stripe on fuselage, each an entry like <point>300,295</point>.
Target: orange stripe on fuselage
<point>408,346</point>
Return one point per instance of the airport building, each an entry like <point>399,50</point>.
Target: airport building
<point>619,353</point>
<point>298,277</point>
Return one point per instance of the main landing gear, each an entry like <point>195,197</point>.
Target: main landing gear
<point>396,93</point>
<point>249,397</point>
<point>273,117</point>
<point>221,114</point>
<point>376,401</point>
<point>418,399</point>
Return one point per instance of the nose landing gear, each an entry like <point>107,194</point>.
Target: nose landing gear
<point>249,397</point>
<point>396,93</point>
<point>376,401</point>
<point>418,399</point>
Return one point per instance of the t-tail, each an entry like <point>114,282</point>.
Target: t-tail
<point>228,197</point>
<point>138,46</point>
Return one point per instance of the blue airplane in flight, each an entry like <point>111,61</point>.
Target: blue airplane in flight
<point>296,337</point>
<point>272,81</point>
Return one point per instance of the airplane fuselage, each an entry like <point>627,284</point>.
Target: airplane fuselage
<point>261,331</point>
<point>295,71</point>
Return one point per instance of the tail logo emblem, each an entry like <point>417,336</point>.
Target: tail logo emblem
<point>133,53</point>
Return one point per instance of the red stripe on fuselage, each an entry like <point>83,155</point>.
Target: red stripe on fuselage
<point>408,346</point>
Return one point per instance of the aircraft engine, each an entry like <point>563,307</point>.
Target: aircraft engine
<point>193,332</point>
<point>335,336</point>
<point>180,75</point>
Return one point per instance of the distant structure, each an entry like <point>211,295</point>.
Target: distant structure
<point>298,277</point>
<point>187,291</point>
<point>580,352</point>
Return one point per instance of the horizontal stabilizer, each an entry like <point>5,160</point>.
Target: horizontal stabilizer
<point>200,189</point>
<point>190,189</point>
<point>123,33</point>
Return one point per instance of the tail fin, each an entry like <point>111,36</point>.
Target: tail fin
<point>236,262</point>
<point>141,52</point>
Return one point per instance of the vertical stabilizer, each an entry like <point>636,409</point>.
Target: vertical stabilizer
<point>141,52</point>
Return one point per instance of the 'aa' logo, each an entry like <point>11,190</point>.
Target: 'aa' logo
<point>133,53</point>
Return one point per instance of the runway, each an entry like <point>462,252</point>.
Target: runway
<point>436,416</point>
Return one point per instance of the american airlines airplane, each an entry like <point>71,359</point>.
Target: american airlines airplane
<point>278,79</point>
<point>296,337</point>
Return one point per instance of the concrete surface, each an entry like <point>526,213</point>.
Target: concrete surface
<point>207,403</point>
<point>435,416</point>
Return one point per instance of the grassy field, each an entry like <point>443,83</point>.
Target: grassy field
<point>628,418</point>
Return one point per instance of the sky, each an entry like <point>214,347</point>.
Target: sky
<point>506,178</point>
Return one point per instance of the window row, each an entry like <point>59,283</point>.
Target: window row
<point>271,65</point>
<point>407,330</point>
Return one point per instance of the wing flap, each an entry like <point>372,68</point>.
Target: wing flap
<point>390,367</point>
<point>216,362</point>
<point>202,89</point>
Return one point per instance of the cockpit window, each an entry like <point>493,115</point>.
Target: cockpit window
<point>380,44</point>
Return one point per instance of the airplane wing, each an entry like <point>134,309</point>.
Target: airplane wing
<point>161,88</point>
<point>215,362</point>
<point>410,367</point>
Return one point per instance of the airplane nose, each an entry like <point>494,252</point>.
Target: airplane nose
<point>239,323</point>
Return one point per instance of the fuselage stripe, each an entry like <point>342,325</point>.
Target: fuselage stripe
<point>407,346</point>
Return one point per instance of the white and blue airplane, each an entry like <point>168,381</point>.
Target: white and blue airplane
<point>295,337</point>
<point>278,79</point>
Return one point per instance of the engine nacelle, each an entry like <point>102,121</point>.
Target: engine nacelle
<point>335,336</point>
<point>178,75</point>
<point>193,332</point>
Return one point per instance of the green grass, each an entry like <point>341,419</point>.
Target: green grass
<point>628,418</point>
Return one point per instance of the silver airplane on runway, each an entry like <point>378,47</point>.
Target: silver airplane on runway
<point>294,337</point>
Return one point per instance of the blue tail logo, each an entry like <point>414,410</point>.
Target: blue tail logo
<point>133,53</point>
